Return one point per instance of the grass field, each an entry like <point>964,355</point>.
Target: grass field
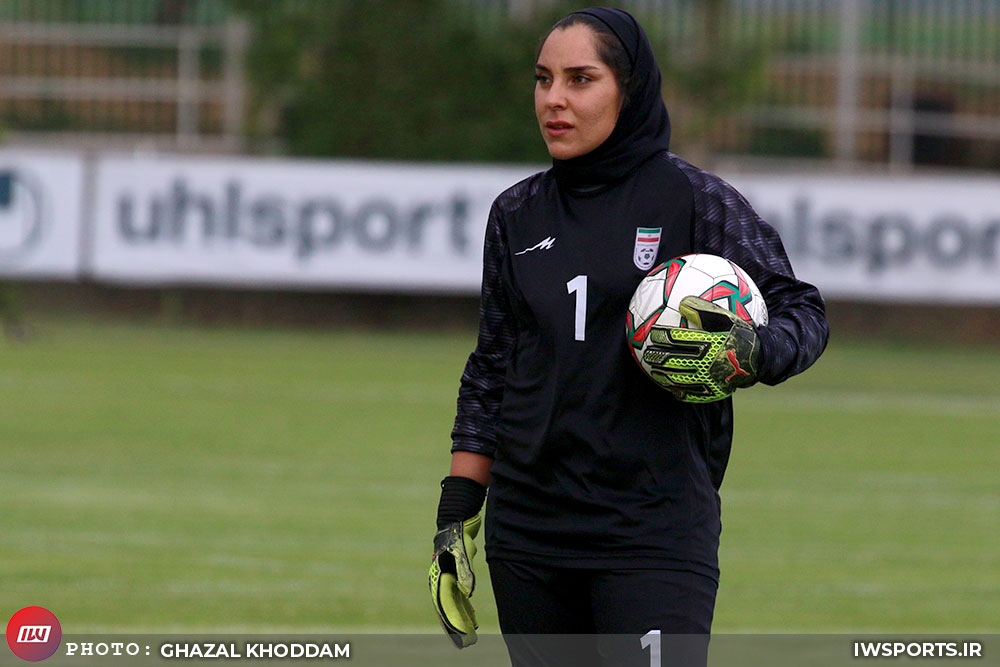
<point>166,479</point>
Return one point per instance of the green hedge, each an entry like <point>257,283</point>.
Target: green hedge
<point>400,79</point>
<point>448,79</point>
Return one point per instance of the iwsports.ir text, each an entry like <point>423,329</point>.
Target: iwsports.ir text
<point>924,649</point>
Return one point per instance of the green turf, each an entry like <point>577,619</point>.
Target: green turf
<point>164,479</point>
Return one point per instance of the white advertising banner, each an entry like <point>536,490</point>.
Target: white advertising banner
<point>419,228</point>
<point>915,239</point>
<point>294,223</point>
<point>40,214</point>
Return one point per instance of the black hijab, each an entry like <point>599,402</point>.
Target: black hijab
<point>643,127</point>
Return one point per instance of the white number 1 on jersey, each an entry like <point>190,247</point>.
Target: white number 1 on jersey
<point>579,285</point>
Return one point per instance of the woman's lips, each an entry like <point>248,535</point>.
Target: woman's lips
<point>557,128</point>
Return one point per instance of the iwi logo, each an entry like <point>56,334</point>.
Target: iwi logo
<point>34,634</point>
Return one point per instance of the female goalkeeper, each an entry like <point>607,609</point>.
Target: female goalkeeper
<point>603,514</point>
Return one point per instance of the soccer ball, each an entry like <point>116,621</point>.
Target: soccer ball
<point>657,298</point>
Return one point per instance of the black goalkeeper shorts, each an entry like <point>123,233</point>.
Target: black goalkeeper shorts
<point>562,616</point>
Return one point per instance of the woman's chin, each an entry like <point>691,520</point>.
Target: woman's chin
<point>563,152</point>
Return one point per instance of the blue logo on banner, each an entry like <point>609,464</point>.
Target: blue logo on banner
<point>20,215</point>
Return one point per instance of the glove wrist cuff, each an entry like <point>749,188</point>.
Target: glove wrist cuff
<point>461,498</point>
<point>765,338</point>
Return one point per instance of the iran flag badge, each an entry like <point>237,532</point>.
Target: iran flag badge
<point>647,245</point>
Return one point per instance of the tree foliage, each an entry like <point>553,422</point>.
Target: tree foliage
<point>400,79</point>
<point>434,80</point>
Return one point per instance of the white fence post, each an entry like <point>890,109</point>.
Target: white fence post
<point>848,81</point>
<point>237,36</point>
<point>188,74</point>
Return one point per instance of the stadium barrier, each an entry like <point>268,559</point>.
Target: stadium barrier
<point>418,228</point>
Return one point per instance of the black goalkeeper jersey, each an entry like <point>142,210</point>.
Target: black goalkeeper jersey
<point>595,465</point>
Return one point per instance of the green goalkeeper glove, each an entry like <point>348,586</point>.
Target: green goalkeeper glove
<point>452,580</point>
<point>709,361</point>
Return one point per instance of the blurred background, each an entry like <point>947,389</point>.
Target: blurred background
<point>240,244</point>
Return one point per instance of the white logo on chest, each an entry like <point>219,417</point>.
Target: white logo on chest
<point>544,244</point>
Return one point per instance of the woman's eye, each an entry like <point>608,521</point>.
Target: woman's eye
<point>580,78</point>
<point>541,78</point>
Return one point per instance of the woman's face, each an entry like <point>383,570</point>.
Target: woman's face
<point>576,95</point>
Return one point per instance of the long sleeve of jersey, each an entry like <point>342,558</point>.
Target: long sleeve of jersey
<point>482,385</point>
<point>725,224</point>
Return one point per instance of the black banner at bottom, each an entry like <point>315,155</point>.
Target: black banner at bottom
<point>649,650</point>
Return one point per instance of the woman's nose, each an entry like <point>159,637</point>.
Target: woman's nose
<point>555,97</point>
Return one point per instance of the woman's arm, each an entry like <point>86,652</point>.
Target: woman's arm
<point>725,224</point>
<point>471,465</point>
<point>481,390</point>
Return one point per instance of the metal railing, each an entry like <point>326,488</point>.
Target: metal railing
<point>895,81</point>
<point>167,73</point>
